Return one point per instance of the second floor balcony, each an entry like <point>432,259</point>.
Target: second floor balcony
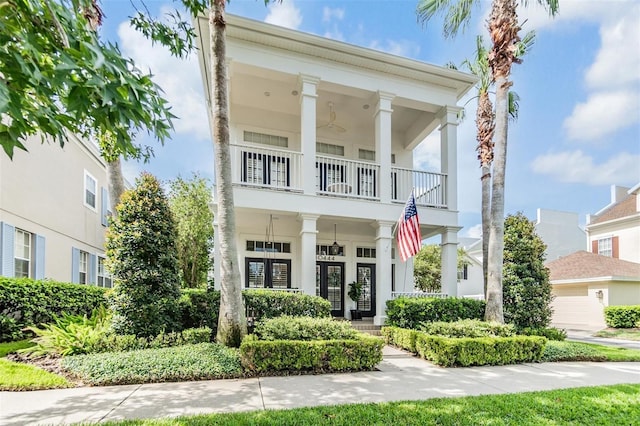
<point>282,170</point>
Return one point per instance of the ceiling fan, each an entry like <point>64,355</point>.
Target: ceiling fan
<point>331,123</point>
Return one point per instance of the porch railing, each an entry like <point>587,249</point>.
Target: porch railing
<point>268,168</point>
<point>357,179</point>
<point>430,188</point>
<point>396,294</point>
<point>286,290</point>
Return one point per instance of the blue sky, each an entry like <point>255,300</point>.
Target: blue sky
<point>579,126</point>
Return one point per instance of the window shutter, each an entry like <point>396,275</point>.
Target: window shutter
<point>594,246</point>
<point>92,269</point>
<point>615,248</point>
<point>75,265</point>
<point>8,260</point>
<point>104,203</point>
<point>39,257</point>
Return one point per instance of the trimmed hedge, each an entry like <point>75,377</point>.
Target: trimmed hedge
<point>409,312</point>
<point>199,308</point>
<point>622,316</point>
<point>317,356</point>
<point>204,361</point>
<point>468,328</point>
<point>33,302</point>
<point>262,304</point>
<point>129,342</point>
<point>551,333</point>
<point>304,328</point>
<point>466,351</point>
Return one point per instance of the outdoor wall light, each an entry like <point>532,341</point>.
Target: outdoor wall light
<point>335,248</point>
<point>599,294</point>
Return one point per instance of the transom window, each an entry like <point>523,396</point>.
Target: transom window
<point>366,154</point>
<point>605,247</point>
<point>269,246</point>
<point>366,252</point>
<point>104,277</point>
<point>327,148</point>
<point>327,250</point>
<point>265,139</point>
<point>83,267</point>
<point>22,253</point>
<point>90,190</point>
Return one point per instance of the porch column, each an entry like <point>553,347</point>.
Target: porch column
<point>449,259</point>
<point>383,143</point>
<point>448,116</point>
<point>308,233</point>
<point>308,86</point>
<point>384,239</point>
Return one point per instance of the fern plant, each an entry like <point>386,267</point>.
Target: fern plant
<point>70,334</point>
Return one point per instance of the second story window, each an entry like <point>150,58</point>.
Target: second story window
<point>605,247</point>
<point>22,253</point>
<point>90,190</point>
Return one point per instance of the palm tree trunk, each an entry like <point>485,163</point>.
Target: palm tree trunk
<point>116,184</point>
<point>503,28</point>
<point>232,321</point>
<point>486,217</point>
<point>485,122</point>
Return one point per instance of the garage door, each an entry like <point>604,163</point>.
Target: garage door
<point>574,306</point>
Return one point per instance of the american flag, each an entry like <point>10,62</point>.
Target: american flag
<point>409,239</point>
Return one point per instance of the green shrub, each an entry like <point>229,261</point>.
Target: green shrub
<point>550,333</point>
<point>468,328</point>
<point>622,316</point>
<point>409,312</point>
<point>203,361</point>
<point>129,342</point>
<point>304,328</point>
<point>466,351</point>
<point>199,308</point>
<point>261,304</point>
<point>142,256</point>
<point>28,302</point>
<point>401,337</point>
<point>570,351</point>
<point>69,334</point>
<point>362,353</point>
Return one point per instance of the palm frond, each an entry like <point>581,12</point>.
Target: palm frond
<point>525,45</point>
<point>514,105</point>
<point>457,13</point>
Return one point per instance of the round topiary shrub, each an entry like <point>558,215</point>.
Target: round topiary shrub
<point>141,249</point>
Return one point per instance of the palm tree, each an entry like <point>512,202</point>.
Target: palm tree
<point>503,30</point>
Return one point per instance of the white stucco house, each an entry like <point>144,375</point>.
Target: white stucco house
<point>53,212</point>
<point>583,283</point>
<point>323,135</point>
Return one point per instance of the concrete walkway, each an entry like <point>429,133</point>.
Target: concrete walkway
<point>400,377</point>
<point>586,336</point>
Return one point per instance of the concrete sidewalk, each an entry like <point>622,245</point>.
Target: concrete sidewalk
<point>587,337</point>
<point>399,377</point>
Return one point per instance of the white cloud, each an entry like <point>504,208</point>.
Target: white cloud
<point>284,14</point>
<point>602,114</point>
<point>405,48</point>
<point>577,167</point>
<point>179,78</point>
<point>474,232</point>
<point>328,14</point>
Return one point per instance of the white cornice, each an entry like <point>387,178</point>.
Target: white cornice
<point>594,280</point>
<point>631,218</point>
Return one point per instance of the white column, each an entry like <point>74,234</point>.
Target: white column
<point>308,232</point>
<point>449,259</point>
<point>448,153</point>
<point>308,95</point>
<point>383,269</point>
<point>383,143</point>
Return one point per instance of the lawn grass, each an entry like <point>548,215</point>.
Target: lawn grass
<point>620,333</point>
<point>578,351</point>
<point>9,347</point>
<point>602,405</point>
<point>16,376</point>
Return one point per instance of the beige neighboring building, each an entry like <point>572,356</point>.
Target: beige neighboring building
<point>53,213</point>
<point>585,282</point>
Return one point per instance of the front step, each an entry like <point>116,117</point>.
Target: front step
<point>366,326</point>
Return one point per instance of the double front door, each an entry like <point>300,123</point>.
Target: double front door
<point>330,285</point>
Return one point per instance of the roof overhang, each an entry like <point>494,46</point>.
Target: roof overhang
<point>610,278</point>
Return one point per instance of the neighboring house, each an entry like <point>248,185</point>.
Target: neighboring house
<point>53,212</point>
<point>561,232</point>
<point>584,283</point>
<point>323,135</point>
<point>614,231</point>
<point>470,281</point>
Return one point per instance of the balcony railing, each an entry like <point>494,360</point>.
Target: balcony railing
<point>282,170</point>
<point>357,179</point>
<point>267,168</point>
<point>429,188</point>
